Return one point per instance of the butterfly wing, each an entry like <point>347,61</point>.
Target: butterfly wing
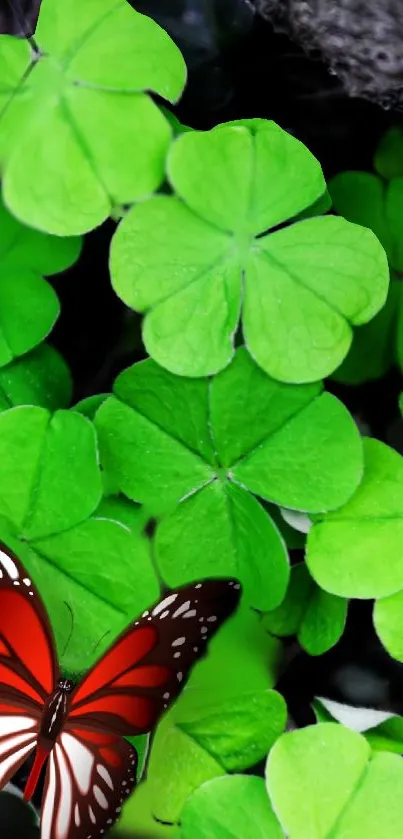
<point>134,682</point>
<point>88,777</point>
<point>27,664</point>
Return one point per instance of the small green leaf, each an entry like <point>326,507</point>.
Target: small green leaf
<point>356,551</point>
<point>39,378</point>
<point>83,100</point>
<point>324,782</point>
<point>388,159</point>
<point>316,617</point>
<point>388,622</point>
<point>230,808</point>
<point>189,260</point>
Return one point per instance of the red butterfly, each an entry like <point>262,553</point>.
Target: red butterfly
<point>78,730</point>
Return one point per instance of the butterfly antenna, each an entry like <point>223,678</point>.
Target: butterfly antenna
<point>100,640</point>
<point>71,629</point>
<point>20,16</point>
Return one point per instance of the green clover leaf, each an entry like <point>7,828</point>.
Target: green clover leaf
<point>48,509</point>
<point>194,260</point>
<point>226,719</point>
<point>199,451</point>
<point>40,377</point>
<point>316,617</point>
<point>356,551</point>
<point>29,306</point>
<point>77,132</point>
<point>230,808</point>
<point>388,158</point>
<point>324,782</point>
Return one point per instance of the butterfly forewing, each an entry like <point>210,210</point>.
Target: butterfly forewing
<point>136,680</point>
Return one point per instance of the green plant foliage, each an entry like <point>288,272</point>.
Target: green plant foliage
<point>39,378</point>
<point>316,617</point>
<point>364,198</point>
<point>77,133</point>
<point>193,260</point>
<point>388,621</point>
<point>226,719</point>
<point>230,808</point>
<point>201,450</point>
<point>388,158</point>
<point>48,508</point>
<point>324,782</point>
<point>29,306</point>
<point>356,551</point>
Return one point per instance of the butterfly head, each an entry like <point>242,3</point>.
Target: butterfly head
<point>66,685</point>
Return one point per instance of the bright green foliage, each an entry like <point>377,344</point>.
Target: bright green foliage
<point>357,550</point>
<point>200,450</point>
<point>77,132</point>
<point>234,807</point>
<point>316,617</point>
<point>364,198</point>
<point>48,503</point>
<point>226,719</point>
<point>388,621</point>
<point>39,378</point>
<point>324,783</point>
<point>388,159</point>
<point>28,304</point>
<point>192,261</point>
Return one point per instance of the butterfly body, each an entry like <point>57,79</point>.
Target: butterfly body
<point>76,731</point>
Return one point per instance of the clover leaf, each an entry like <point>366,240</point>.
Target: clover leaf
<point>316,617</point>
<point>230,808</point>
<point>193,261</point>
<point>28,304</point>
<point>40,377</point>
<point>48,509</point>
<point>356,551</point>
<point>388,158</point>
<point>364,198</point>
<point>324,782</point>
<point>225,720</point>
<point>77,132</point>
<point>199,451</point>
<point>388,623</point>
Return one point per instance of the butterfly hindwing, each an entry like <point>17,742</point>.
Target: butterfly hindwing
<point>89,775</point>
<point>134,682</point>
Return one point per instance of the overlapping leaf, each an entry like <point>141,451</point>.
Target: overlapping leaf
<point>28,304</point>
<point>194,260</point>
<point>40,377</point>
<point>316,617</point>
<point>365,198</point>
<point>230,808</point>
<point>356,551</point>
<point>199,451</point>
<point>77,132</point>
<point>50,488</point>
<point>324,782</point>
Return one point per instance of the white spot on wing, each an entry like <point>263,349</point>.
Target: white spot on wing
<point>66,795</point>
<point>9,566</point>
<point>100,797</point>
<point>181,609</point>
<point>164,603</point>
<point>191,614</point>
<point>81,759</point>
<point>103,772</point>
<point>179,642</point>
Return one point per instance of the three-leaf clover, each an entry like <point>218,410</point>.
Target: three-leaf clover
<point>49,500</point>
<point>77,132</point>
<point>324,782</point>
<point>194,261</point>
<point>28,304</point>
<point>199,451</point>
